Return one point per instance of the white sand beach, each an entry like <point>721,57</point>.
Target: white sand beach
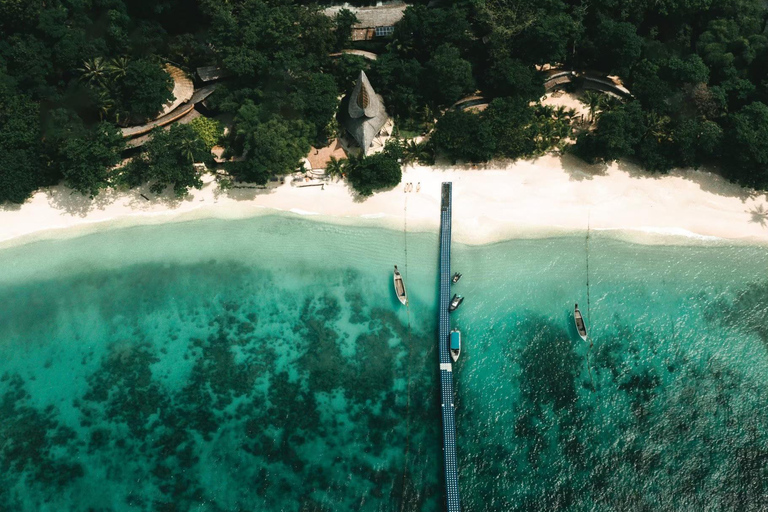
<point>547,196</point>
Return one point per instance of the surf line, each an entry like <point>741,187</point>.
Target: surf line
<point>410,352</point>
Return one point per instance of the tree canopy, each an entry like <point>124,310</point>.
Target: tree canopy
<point>142,89</point>
<point>272,148</point>
<point>508,128</point>
<point>746,145</point>
<point>167,161</point>
<point>698,71</point>
<point>21,163</point>
<point>379,171</point>
<point>82,155</point>
<point>100,65</point>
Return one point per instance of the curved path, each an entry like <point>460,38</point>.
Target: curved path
<point>183,88</point>
<point>175,115</point>
<point>360,53</point>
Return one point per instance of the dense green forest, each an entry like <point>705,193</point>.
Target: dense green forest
<point>73,71</point>
<point>697,69</point>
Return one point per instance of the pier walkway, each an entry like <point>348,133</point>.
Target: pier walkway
<point>446,368</point>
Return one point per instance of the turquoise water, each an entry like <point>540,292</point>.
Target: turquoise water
<point>265,364</point>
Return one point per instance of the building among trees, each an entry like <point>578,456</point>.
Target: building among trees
<point>372,22</point>
<point>363,114</point>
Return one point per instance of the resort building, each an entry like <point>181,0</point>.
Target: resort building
<point>372,22</point>
<point>362,113</point>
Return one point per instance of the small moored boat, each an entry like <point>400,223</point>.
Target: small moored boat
<point>402,296</point>
<point>455,302</point>
<point>455,344</point>
<point>579,319</point>
<point>456,278</point>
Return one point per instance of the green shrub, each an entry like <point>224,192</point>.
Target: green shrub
<point>209,130</point>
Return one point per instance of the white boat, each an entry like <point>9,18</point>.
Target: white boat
<point>402,295</point>
<point>455,344</point>
<point>455,302</point>
<point>579,319</point>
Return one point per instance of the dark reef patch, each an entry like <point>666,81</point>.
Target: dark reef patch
<point>661,433</point>
<point>747,311</point>
<point>220,387</point>
<point>34,446</point>
<point>238,396</point>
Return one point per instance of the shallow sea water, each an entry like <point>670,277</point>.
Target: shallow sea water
<point>264,364</point>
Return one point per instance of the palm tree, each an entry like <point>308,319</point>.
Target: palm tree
<point>335,167</point>
<point>104,104</point>
<point>427,119</point>
<point>591,100</point>
<point>410,151</point>
<point>94,71</point>
<point>187,148</point>
<point>658,127</point>
<point>546,134</point>
<point>546,111</point>
<point>118,67</point>
<point>415,152</point>
<point>608,103</point>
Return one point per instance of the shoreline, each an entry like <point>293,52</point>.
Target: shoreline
<point>541,198</point>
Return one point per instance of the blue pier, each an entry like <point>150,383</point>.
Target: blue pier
<point>446,366</point>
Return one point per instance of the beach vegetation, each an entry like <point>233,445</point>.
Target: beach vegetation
<point>21,163</point>
<point>698,73</point>
<point>335,167</point>
<point>167,162</point>
<point>592,100</point>
<point>379,171</point>
<point>270,148</point>
<point>210,131</point>
<point>82,155</point>
<point>462,135</point>
<point>618,134</point>
<point>417,152</point>
<point>746,145</point>
<point>105,65</point>
<point>508,128</point>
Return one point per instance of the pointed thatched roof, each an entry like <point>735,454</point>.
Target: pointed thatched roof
<point>363,101</point>
<point>363,113</point>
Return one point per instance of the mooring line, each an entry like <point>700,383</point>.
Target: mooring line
<point>589,312</point>
<point>410,352</point>
<point>589,309</point>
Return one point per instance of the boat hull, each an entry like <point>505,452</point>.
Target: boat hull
<point>579,321</point>
<point>402,295</point>
<point>455,303</point>
<point>454,344</point>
